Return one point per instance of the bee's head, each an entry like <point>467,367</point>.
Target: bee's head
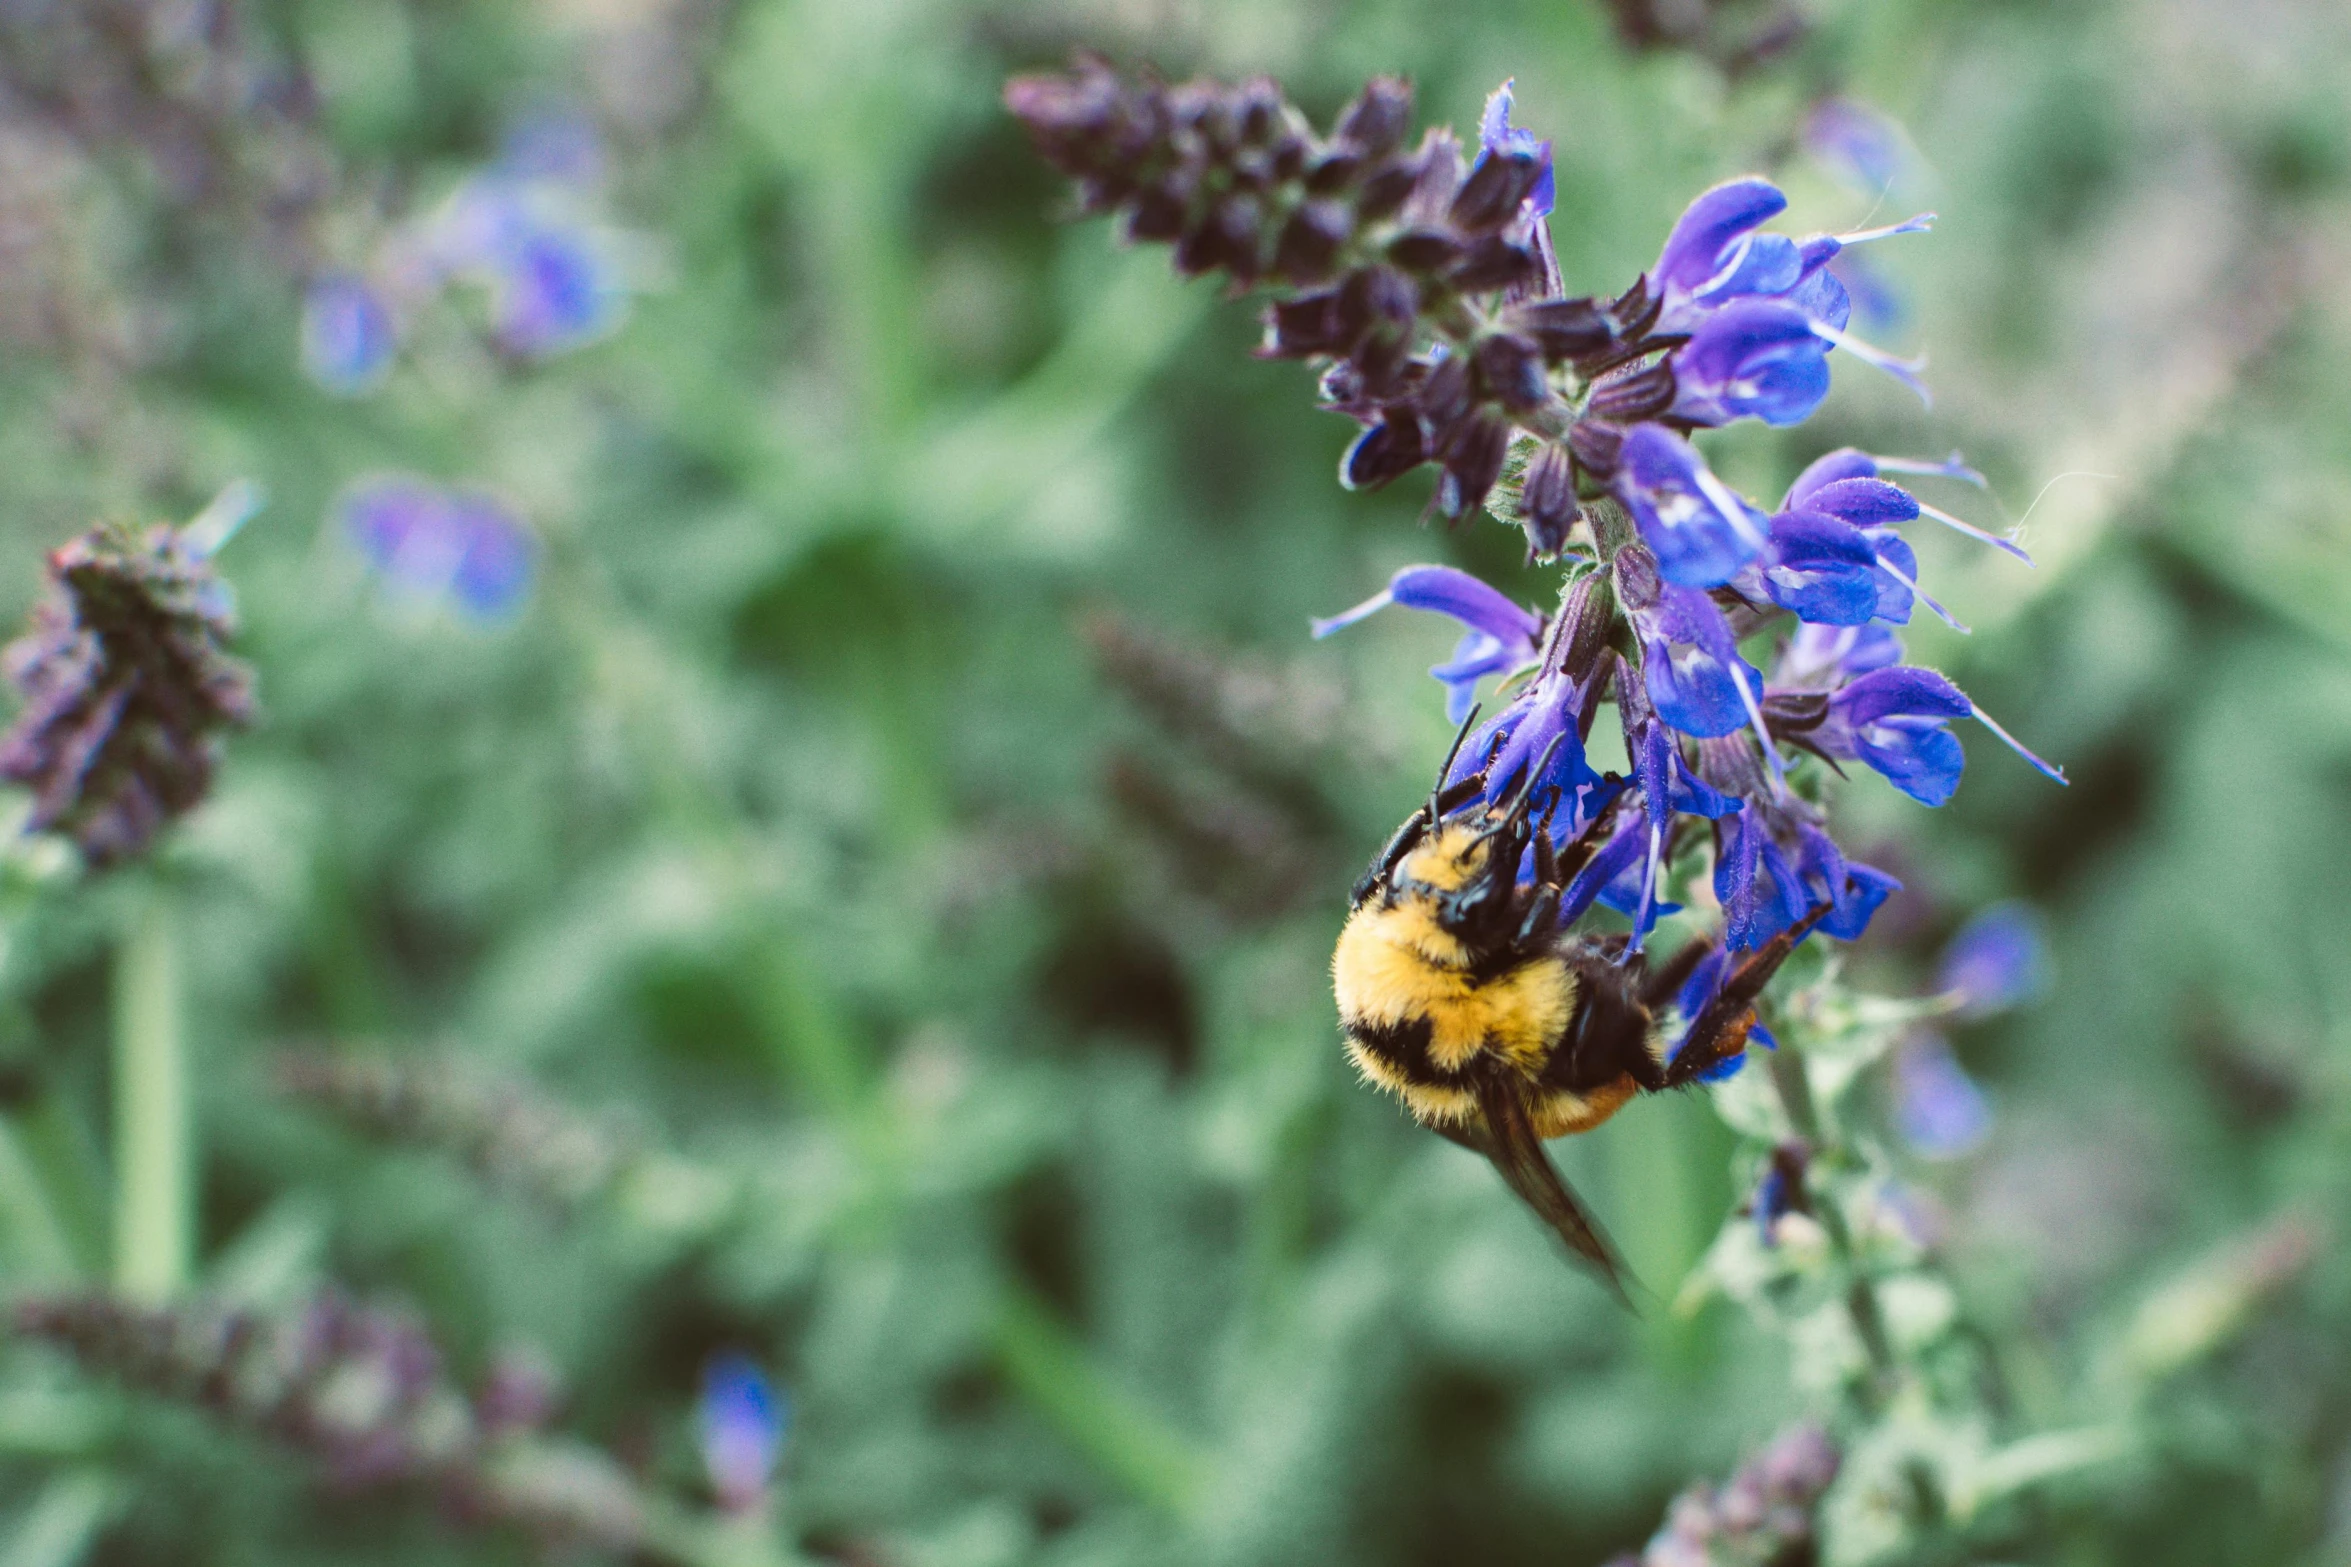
<point>1468,868</point>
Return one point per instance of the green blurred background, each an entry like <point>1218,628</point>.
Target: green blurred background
<point>909,789</point>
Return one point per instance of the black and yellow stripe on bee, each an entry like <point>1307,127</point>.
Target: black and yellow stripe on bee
<point>1423,1013</point>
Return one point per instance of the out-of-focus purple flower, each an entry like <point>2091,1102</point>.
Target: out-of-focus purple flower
<point>431,543</point>
<point>1499,637</point>
<point>349,334</point>
<point>1998,960</point>
<point>743,1419</point>
<point>1860,146</point>
<point>1940,1112</point>
<point>1781,1191</point>
<point>1879,303</point>
<point>553,143</point>
<point>1496,135</point>
<point>1700,530</point>
<point>556,291</point>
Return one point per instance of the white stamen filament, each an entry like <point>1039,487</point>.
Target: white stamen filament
<point>2007,546</point>
<point>1948,619</point>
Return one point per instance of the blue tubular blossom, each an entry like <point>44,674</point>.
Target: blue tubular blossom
<point>1895,720</point>
<point>1498,637</point>
<point>1752,359</point>
<point>1700,531</point>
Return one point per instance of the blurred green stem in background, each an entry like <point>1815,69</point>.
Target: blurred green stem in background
<point>152,1200</point>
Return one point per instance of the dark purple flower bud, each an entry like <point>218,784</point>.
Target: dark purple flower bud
<point>1512,369</point>
<point>1443,401</point>
<point>1547,506</point>
<point>1382,454</point>
<point>1303,326</point>
<point>1161,208</point>
<point>1496,262</point>
<point>1563,329</point>
<point>1386,189</point>
<point>1496,187</point>
<point>1227,236</point>
<point>1310,241</point>
<point>1596,447</point>
<point>128,686</point>
<point>1425,251</point>
<point>1644,394</point>
<point>1473,461</point>
<point>1374,124</point>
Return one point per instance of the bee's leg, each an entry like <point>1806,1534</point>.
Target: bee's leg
<point>1719,1031</point>
<point>1660,986</point>
<point>1542,912</point>
<point>1408,836</point>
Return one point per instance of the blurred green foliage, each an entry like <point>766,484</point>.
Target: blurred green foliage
<point>910,807</point>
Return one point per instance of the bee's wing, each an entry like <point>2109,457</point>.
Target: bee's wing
<point>1510,1141</point>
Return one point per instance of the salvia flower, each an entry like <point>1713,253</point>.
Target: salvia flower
<point>1498,636</point>
<point>128,686</point>
<point>743,1419</point>
<point>433,544</point>
<point>1735,641</point>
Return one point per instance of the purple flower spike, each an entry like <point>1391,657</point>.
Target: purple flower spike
<point>349,336</point>
<point>1499,637</point>
<point>1939,1110</point>
<point>1699,530</point>
<point>743,1421</point>
<point>1998,960</point>
<point>431,544</point>
<point>1754,359</point>
<point>1497,134</point>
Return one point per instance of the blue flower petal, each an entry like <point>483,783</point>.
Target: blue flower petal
<point>1757,358</point>
<point>1998,960</point>
<point>349,336</point>
<point>1822,569</point>
<point>1700,532</point>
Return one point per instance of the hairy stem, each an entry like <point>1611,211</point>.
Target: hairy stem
<point>1794,1087</point>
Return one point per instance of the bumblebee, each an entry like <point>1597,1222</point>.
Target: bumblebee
<point>1460,995</point>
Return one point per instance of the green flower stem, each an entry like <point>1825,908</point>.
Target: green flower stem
<point>1794,1087</point>
<point>152,1203</point>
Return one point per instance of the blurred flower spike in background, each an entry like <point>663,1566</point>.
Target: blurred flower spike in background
<point>528,230</point>
<point>1861,147</point>
<point>743,1419</point>
<point>1996,961</point>
<point>431,545</point>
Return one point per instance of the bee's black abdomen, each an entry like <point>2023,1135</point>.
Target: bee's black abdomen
<point>1403,1047</point>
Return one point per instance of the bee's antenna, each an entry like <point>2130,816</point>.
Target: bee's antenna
<point>1523,800</point>
<point>1454,751</point>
